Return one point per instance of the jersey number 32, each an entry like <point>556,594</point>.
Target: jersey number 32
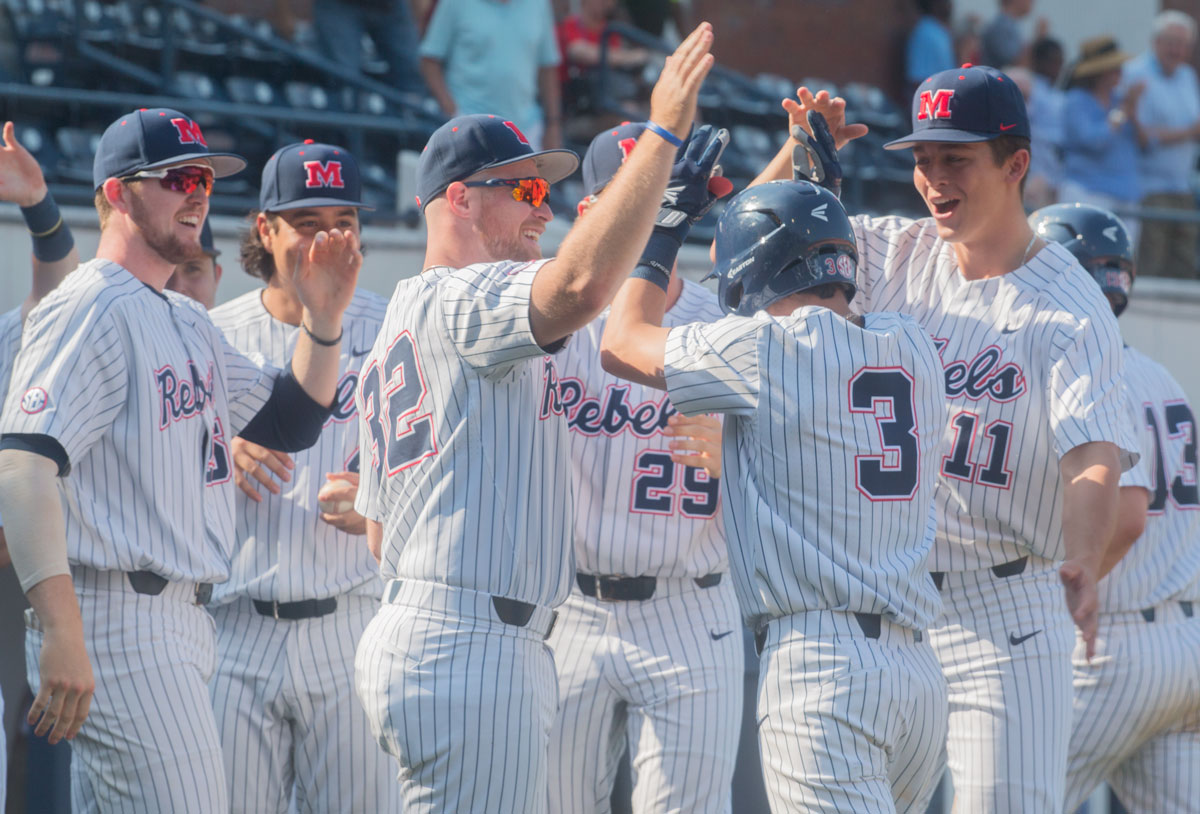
<point>393,393</point>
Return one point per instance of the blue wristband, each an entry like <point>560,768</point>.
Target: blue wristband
<point>52,238</point>
<point>663,132</point>
<point>652,273</point>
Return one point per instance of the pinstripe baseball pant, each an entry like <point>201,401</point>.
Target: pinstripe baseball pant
<point>149,743</point>
<point>666,673</point>
<point>461,700</point>
<point>1004,643</point>
<point>288,717</point>
<point>1137,711</point>
<point>846,721</point>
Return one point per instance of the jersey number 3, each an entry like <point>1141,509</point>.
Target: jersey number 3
<point>887,394</point>
<point>401,435</point>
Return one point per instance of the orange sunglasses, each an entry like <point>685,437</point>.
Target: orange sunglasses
<point>532,190</point>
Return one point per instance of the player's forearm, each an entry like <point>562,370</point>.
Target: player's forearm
<point>1090,476</point>
<point>375,539</point>
<point>601,249</point>
<point>315,365</point>
<point>435,80</point>
<point>54,252</point>
<point>634,343</point>
<point>780,167</point>
<point>34,527</point>
<point>1132,503</point>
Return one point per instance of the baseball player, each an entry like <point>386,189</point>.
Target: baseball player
<point>1034,442</point>
<point>831,427</point>
<point>303,585</point>
<point>462,457</point>
<point>199,276</point>
<point>54,254</point>
<point>648,646</point>
<point>1137,701</point>
<point>122,402</point>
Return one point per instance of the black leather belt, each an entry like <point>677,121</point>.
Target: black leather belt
<point>517,613</point>
<point>629,589</point>
<point>1003,571</point>
<point>1186,606</point>
<point>152,584</point>
<point>304,609</point>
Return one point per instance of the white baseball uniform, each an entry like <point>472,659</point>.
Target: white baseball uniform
<point>1137,703</point>
<point>10,343</point>
<point>829,447</point>
<point>135,393</point>
<point>666,672</point>
<point>284,687</point>
<point>1032,366</point>
<point>468,478</point>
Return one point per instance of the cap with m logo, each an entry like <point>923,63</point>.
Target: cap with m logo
<point>153,138</point>
<point>309,174</point>
<point>967,104</point>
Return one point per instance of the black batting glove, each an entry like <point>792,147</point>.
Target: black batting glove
<point>815,158</point>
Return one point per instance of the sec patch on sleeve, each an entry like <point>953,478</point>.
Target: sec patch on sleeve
<point>34,400</point>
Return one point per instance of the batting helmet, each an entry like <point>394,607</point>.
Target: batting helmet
<point>779,238</point>
<point>1098,240</point>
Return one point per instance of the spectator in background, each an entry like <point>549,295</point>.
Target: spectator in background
<point>1101,133</point>
<point>340,25</point>
<point>1045,104</point>
<point>1002,41</point>
<point>1169,112</point>
<point>930,46</point>
<point>496,56</point>
<point>579,41</point>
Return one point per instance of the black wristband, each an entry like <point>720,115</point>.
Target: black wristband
<point>652,273</point>
<point>661,250</point>
<point>52,238</point>
<point>325,343</point>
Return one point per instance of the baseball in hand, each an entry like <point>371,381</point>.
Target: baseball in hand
<point>331,505</point>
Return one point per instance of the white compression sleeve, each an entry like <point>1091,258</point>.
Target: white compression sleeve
<point>33,517</point>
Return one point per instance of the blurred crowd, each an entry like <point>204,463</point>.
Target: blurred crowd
<point>1111,127</point>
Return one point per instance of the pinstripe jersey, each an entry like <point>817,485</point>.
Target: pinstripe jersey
<point>10,343</point>
<point>143,392</point>
<point>636,512</point>
<point>467,477</point>
<point>283,550</point>
<point>1166,558</point>
<point>1032,364</point>
<point>828,467</point>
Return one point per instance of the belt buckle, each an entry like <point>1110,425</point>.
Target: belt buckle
<point>600,592</point>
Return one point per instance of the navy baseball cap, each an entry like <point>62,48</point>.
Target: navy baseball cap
<point>206,241</point>
<point>607,152</point>
<point>967,104</point>
<point>310,174</point>
<point>467,144</point>
<point>149,139</point>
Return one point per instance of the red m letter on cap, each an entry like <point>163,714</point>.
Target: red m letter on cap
<point>328,174</point>
<point>189,132</point>
<point>517,130</point>
<point>935,104</point>
<point>626,145</point>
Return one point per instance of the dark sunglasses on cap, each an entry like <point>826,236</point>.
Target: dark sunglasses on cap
<point>532,190</point>
<point>179,179</point>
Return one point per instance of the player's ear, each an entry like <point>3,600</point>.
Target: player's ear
<point>217,271</point>
<point>1018,165</point>
<point>117,194</point>
<point>458,198</point>
<point>262,224</point>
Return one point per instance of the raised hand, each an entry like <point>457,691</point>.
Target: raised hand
<point>696,182</point>
<point>833,108</point>
<point>327,273</point>
<point>815,157</point>
<point>673,100</point>
<point>21,179</point>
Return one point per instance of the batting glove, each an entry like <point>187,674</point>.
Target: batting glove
<point>815,158</point>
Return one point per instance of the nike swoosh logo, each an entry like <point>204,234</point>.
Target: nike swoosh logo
<point>1009,330</point>
<point>357,353</point>
<point>718,636</point>
<point>1015,640</point>
<point>1007,127</point>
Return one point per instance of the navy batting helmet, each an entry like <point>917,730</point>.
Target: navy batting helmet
<point>779,238</point>
<point>1098,240</point>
